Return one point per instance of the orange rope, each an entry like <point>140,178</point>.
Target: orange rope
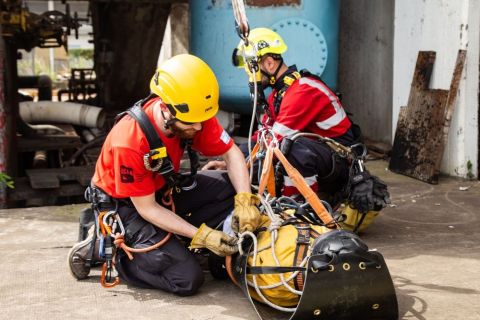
<point>229,267</point>
<point>253,154</point>
<point>307,192</point>
<point>120,242</point>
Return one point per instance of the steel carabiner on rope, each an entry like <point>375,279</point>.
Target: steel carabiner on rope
<point>241,21</point>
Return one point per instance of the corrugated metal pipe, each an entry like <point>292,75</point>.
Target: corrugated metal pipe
<point>62,112</point>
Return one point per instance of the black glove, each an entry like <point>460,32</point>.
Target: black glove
<point>361,192</point>
<point>381,196</point>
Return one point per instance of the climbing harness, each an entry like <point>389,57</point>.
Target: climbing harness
<point>112,234</point>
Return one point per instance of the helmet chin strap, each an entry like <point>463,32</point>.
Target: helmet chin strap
<point>167,123</point>
<point>272,78</point>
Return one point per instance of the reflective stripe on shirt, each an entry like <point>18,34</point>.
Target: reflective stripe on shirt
<point>339,112</point>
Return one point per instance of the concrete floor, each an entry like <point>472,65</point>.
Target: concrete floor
<point>429,237</point>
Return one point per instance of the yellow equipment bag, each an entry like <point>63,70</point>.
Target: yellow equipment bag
<point>354,221</point>
<point>289,252</point>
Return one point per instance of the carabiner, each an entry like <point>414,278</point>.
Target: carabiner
<point>107,276</point>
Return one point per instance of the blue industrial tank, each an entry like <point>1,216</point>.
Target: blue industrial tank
<point>309,28</point>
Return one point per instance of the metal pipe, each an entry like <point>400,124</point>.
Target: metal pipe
<point>87,134</point>
<point>43,83</point>
<point>62,112</point>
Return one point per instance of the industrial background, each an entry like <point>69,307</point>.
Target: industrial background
<point>365,49</point>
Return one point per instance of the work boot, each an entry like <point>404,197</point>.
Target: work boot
<point>81,258</point>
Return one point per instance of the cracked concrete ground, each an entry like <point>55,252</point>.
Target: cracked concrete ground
<point>429,237</point>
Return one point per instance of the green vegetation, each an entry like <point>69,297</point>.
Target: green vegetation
<point>470,175</point>
<point>39,63</point>
<point>80,58</point>
<point>6,180</point>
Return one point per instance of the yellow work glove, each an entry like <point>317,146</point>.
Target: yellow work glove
<point>216,241</point>
<point>246,216</point>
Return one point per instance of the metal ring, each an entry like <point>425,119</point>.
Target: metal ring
<point>379,266</point>
<point>362,265</point>
<point>375,306</point>
<point>346,266</point>
<point>317,312</point>
<point>314,270</point>
<point>331,268</point>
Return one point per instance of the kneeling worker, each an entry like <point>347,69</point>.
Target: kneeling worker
<point>131,177</point>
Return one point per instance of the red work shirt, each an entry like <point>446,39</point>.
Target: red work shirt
<point>120,171</point>
<point>308,105</point>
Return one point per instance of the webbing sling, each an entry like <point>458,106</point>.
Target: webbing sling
<point>301,250</point>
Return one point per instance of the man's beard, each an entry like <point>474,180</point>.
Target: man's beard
<point>183,134</point>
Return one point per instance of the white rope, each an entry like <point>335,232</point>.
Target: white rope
<point>267,139</point>
<point>254,277</point>
<point>273,239</point>
<point>277,221</point>
<point>277,284</point>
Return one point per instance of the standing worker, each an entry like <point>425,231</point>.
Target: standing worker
<point>139,163</point>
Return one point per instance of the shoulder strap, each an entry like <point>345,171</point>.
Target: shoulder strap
<point>151,134</point>
<point>287,82</point>
<point>158,152</point>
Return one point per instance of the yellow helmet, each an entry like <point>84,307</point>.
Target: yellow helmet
<point>188,87</point>
<point>262,41</point>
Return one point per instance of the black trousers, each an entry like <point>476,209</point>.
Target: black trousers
<point>172,267</point>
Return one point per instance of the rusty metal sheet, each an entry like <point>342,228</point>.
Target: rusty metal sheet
<point>422,128</point>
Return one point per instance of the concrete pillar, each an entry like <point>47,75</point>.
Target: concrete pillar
<point>365,76</point>
<point>175,40</point>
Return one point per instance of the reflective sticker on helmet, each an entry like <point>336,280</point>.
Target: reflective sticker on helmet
<point>225,137</point>
<point>262,44</point>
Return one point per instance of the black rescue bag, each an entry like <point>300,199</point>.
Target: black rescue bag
<point>343,280</point>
